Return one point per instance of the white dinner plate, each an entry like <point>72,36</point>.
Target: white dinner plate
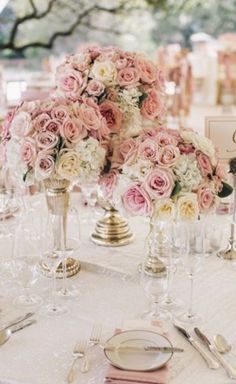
<point>137,360</point>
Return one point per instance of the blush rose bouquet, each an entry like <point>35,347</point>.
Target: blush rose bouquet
<point>127,87</point>
<point>165,173</point>
<point>54,138</point>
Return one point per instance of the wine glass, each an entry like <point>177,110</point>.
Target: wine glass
<point>10,217</point>
<point>192,260</point>
<point>26,262</point>
<point>154,288</point>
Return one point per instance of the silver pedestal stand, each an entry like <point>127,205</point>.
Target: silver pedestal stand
<point>229,253</point>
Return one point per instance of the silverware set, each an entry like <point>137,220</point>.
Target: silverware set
<point>212,355</point>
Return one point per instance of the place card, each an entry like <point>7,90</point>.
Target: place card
<point>221,130</point>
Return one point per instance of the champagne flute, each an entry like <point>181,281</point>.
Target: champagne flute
<point>192,259</point>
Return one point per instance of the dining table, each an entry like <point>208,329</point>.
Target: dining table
<point>110,294</point>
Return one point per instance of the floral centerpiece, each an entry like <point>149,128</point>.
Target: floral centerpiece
<point>126,86</point>
<point>128,90</point>
<point>164,173</point>
<point>49,140</point>
<point>52,141</point>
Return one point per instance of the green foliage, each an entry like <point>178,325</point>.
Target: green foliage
<point>226,190</point>
<point>177,189</point>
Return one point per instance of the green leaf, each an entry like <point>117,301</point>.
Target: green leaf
<point>142,98</point>
<point>177,189</point>
<point>26,174</point>
<point>226,190</point>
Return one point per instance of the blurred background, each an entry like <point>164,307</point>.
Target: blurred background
<point>192,41</point>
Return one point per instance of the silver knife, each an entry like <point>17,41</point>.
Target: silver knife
<point>229,369</point>
<point>22,326</point>
<point>19,319</point>
<point>209,359</point>
<point>145,348</point>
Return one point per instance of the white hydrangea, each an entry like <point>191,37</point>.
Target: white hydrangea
<point>138,170</point>
<point>188,173</point>
<point>92,158</point>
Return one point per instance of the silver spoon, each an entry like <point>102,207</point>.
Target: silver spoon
<point>222,345</point>
<point>6,333</point>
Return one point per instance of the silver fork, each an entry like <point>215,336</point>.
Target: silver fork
<point>78,352</point>
<point>95,335</point>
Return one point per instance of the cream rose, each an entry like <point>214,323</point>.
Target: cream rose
<point>68,165</point>
<point>201,143</point>
<point>187,207</point>
<point>104,71</point>
<point>164,209</point>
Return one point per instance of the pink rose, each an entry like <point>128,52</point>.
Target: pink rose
<point>40,122</point>
<point>206,198</point>
<point>124,152</point>
<point>128,76</point>
<point>46,140</point>
<point>107,184</point>
<point>136,201</point>
<point>163,138</point>
<point>90,117</point>
<point>44,165</point>
<point>147,133</point>
<point>148,150</point>
<point>93,121</point>
<point>95,88</point>
<point>204,164</point>
<point>70,82</point>
<point>28,151</point>
<point>73,130</point>
<point>112,114</point>
<point>153,106</point>
<point>60,113</point>
<point>147,70</point>
<point>159,183</point>
<point>186,149</point>
<point>167,156</point>
<point>52,125</point>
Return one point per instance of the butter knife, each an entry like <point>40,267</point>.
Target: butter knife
<point>17,320</point>
<point>209,359</point>
<point>145,348</point>
<point>18,327</point>
<point>229,369</point>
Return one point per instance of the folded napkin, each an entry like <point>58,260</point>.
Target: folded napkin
<point>119,376</point>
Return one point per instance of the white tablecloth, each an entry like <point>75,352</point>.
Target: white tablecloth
<point>110,294</point>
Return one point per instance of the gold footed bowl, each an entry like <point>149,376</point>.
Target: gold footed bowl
<point>112,230</point>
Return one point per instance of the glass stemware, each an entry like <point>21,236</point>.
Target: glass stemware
<point>192,259</point>
<point>154,288</point>
<point>10,216</point>
<point>26,263</point>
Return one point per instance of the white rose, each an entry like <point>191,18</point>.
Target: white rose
<point>21,124</point>
<point>187,207</point>
<point>104,71</point>
<point>188,173</point>
<point>164,209</point>
<point>68,165</point>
